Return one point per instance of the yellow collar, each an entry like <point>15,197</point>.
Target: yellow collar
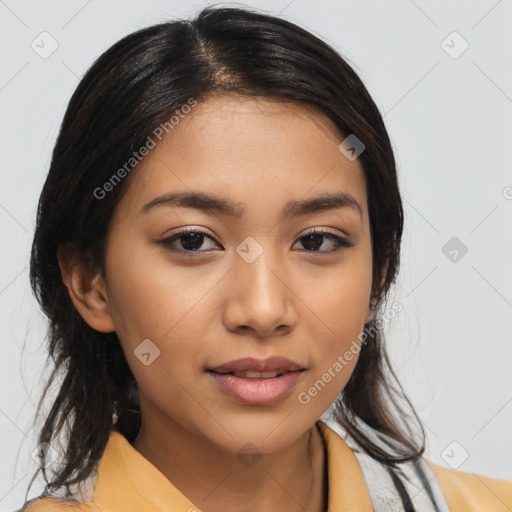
<point>128,482</point>
<point>347,486</point>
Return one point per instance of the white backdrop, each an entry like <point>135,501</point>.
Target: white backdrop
<point>440,73</point>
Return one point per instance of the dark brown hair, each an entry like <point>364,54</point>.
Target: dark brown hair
<point>130,90</point>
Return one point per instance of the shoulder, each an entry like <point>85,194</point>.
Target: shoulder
<point>466,491</point>
<point>50,504</point>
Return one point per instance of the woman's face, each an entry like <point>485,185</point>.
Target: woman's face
<point>251,281</point>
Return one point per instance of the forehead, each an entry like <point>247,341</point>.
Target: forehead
<point>253,150</point>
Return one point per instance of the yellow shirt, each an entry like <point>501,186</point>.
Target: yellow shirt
<point>128,482</point>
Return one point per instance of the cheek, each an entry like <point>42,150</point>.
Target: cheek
<point>340,298</point>
<point>340,304</point>
<point>152,299</point>
<point>149,295</point>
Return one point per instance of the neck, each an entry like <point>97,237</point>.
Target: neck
<point>294,479</point>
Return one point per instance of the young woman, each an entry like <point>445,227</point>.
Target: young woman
<point>214,247</point>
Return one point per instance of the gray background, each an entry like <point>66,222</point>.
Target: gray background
<point>448,116</point>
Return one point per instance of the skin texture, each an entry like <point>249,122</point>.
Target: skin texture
<point>205,309</point>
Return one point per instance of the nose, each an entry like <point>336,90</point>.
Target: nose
<point>260,299</point>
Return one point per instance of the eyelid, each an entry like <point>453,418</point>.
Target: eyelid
<point>191,229</point>
<point>196,229</point>
<point>322,231</point>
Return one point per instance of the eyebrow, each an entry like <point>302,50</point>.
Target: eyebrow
<point>294,208</point>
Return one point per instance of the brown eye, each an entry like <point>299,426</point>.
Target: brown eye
<point>316,239</point>
<point>187,241</point>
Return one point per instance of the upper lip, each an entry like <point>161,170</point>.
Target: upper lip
<point>271,364</point>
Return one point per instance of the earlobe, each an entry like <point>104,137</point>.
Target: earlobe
<point>86,287</point>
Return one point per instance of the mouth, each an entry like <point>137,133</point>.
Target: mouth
<point>257,382</point>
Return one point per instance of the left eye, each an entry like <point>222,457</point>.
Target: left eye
<point>314,240</point>
<point>193,240</point>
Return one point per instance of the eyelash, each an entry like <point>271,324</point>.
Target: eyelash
<point>342,243</point>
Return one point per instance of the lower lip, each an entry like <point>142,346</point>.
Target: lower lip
<point>256,391</point>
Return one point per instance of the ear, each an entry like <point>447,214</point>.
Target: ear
<point>86,287</point>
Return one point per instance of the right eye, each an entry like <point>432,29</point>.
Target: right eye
<point>190,240</point>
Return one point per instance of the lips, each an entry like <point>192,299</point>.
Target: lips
<point>255,381</point>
